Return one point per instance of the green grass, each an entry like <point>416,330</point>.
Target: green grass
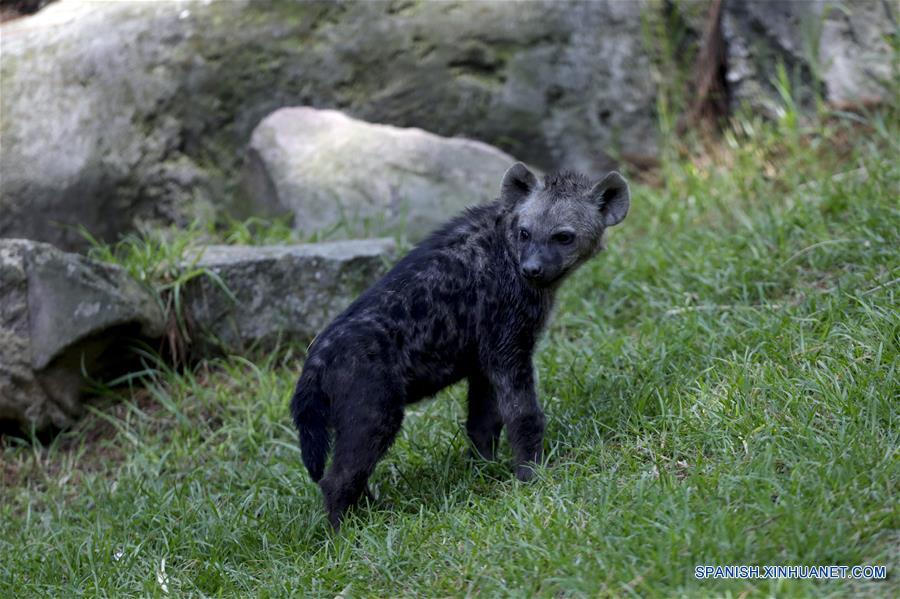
<point>721,388</point>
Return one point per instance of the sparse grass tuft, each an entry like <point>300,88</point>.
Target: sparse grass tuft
<point>721,388</point>
<point>164,261</point>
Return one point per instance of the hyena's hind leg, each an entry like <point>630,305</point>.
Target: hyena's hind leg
<point>484,423</point>
<point>362,437</point>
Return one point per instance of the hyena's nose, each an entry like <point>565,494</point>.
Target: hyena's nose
<point>532,270</point>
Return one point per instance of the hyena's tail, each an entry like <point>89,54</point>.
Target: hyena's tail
<point>310,410</point>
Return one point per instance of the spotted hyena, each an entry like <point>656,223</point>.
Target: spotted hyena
<point>468,302</point>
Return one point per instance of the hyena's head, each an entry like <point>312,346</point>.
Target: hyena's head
<point>557,224</point>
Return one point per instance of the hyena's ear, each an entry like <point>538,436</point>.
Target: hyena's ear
<point>517,184</point>
<point>613,198</point>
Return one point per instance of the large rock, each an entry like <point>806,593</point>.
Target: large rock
<point>328,169</point>
<point>116,111</point>
<point>59,313</point>
<point>838,49</point>
<point>277,293</point>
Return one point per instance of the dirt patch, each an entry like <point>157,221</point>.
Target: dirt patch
<point>91,446</point>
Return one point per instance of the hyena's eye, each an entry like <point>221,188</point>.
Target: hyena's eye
<point>524,235</point>
<point>564,237</point>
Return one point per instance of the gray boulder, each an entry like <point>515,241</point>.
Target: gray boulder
<point>328,169</point>
<point>113,112</point>
<point>277,293</point>
<point>86,124</point>
<point>120,111</point>
<point>59,313</point>
<point>839,49</point>
<point>854,51</point>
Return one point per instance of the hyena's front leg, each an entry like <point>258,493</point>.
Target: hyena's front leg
<point>519,409</point>
<point>483,423</point>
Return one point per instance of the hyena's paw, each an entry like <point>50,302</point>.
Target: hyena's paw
<point>525,472</point>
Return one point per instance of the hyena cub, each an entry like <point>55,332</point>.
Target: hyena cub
<point>468,302</point>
